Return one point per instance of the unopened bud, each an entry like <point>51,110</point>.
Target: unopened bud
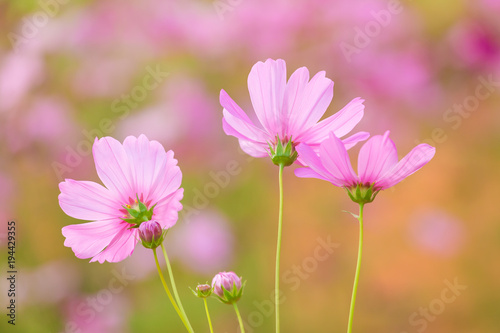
<point>228,287</point>
<point>151,234</point>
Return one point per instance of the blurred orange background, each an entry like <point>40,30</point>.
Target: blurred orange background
<point>429,72</point>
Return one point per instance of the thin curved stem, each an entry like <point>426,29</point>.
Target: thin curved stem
<point>242,328</point>
<point>174,288</point>
<point>356,278</point>
<point>208,316</point>
<point>278,252</point>
<point>167,290</point>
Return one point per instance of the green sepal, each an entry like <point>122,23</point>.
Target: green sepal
<point>231,296</point>
<point>138,213</point>
<point>362,193</point>
<point>283,155</point>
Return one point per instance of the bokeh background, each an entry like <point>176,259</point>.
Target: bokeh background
<point>74,70</point>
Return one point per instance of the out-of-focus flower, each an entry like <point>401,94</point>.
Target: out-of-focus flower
<point>227,286</point>
<point>437,231</point>
<point>401,76</point>
<point>19,72</point>
<point>288,111</point>
<point>46,122</point>
<point>195,126</point>
<point>378,165</point>
<point>46,285</point>
<point>101,312</point>
<point>142,184</point>
<point>103,76</point>
<point>475,44</point>
<point>204,244</point>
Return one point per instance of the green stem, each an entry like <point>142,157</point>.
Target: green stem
<point>242,328</point>
<point>176,294</point>
<point>278,252</point>
<point>165,286</point>
<point>356,278</point>
<point>208,316</point>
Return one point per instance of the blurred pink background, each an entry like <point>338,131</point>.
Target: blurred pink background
<point>429,72</point>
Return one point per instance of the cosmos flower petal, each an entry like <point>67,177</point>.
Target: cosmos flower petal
<point>230,105</point>
<point>169,179</point>
<point>241,129</point>
<point>311,159</point>
<point>376,157</point>
<point>336,160</point>
<point>416,159</point>
<point>167,210</point>
<point>266,85</point>
<point>340,123</point>
<point>310,173</point>
<point>120,247</point>
<point>311,105</point>
<point>254,149</point>
<point>157,174</point>
<point>145,158</point>
<point>87,200</point>
<point>353,140</point>
<point>88,239</point>
<point>112,165</point>
<point>237,123</point>
<point>294,93</point>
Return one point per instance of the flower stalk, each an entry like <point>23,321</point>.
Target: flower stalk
<point>358,265</point>
<point>169,294</point>
<point>172,281</point>
<point>242,328</point>
<point>208,316</point>
<point>278,251</point>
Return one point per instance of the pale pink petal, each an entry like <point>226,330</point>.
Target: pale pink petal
<point>242,130</point>
<point>86,200</point>
<point>154,172</point>
<point>237,123</point>
<point>312,103</point>
<point>340,123</point>
<point>310,173</point>
<point>254,149</point>
<point>376,157</point>
<point>112,165</point>
<point>167,210</point>
<point>315,167</point>
<point>88,239</point>
<point>266,84</point>
<point>292,102</point>
<point>336,160</point>
<point>120,247</point>
<point>417,158</point>
<point>143,161</point>
<point>352,140</point>
<point>169,179</point>
<point>230,105</point>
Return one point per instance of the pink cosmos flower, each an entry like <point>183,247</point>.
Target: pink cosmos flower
<point>141,183</point>
<point>288,111</point>
<point>378,166</point>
